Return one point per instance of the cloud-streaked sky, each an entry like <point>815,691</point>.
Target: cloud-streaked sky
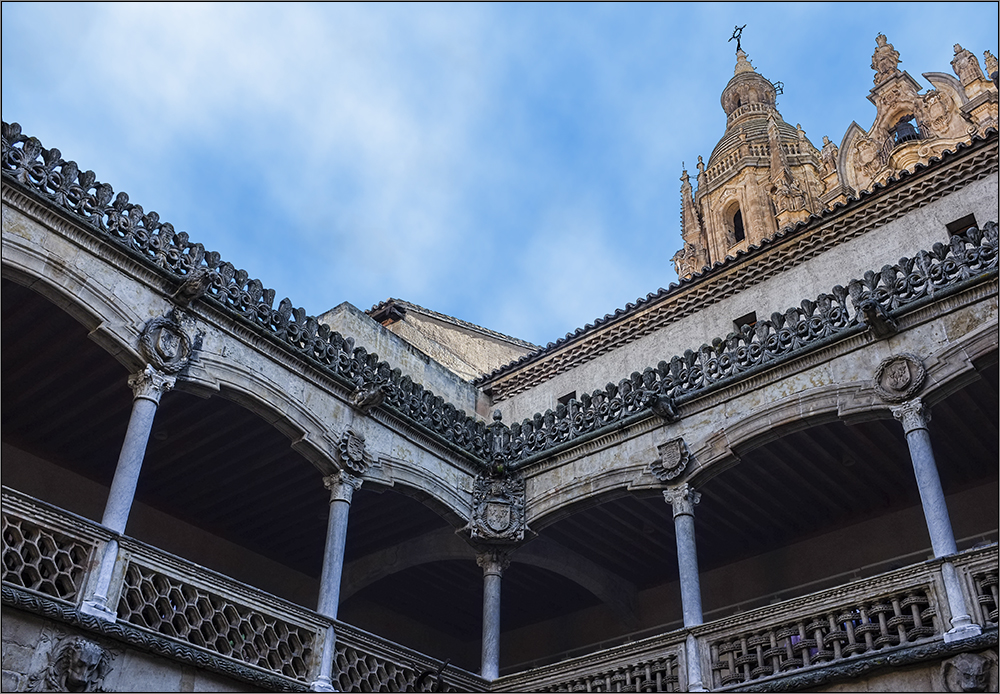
<point>516,166</point>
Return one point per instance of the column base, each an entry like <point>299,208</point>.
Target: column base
<point>323,684</point>
<point>962,628</point>
<point>98,610</point>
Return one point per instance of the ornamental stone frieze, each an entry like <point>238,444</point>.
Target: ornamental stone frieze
<point>899,378</point>
<point>497,510</point>
<point>673,460</point>
<point>165,345</point>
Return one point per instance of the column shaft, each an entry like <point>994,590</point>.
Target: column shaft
<point>493,563</point>
<point>333,558</point>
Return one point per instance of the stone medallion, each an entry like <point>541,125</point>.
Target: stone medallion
<point>899,377</point>
<point>165,346</point>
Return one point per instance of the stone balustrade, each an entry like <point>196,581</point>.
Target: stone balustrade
<point>179,608</point>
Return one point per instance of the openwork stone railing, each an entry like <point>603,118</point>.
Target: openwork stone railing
<point>47,551</point>
<point>967,257</point>
<point>649,665</point>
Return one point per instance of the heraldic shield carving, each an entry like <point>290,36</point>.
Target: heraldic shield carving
<point>498,509</point>
<point>164,345</point>
<point>673,460</point>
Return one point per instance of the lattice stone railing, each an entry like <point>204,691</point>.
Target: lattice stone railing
<point>650,665</point>
<point>47,551</point>
<point>968,256</point>
<point>980,574</point>
<point>892,610</point>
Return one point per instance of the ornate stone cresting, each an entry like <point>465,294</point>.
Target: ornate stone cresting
<point>683,499</point>
<point>899,378</point>
<point>76,664</point>
<point>165,345</point>
<point>673,460</point>
<point>497,510</point>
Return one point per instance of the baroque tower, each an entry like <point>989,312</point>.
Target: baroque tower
<point>763,175</point>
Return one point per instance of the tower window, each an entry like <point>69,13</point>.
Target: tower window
<point>738,232</point>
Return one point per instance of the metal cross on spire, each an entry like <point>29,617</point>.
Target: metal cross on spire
<point>737,32</point>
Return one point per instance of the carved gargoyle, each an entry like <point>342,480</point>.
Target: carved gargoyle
<point>875,317</point>
<point>663,406</point>
<point>193,287</point>
<point>364,398</point>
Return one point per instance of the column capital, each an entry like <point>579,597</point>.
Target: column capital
<point>683,499</point>
<point>494,561</point>
<point>150,384</point>
<point>913,414</point>
<point>342,485</point>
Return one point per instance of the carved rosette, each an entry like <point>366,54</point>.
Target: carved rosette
<point>342,485</point>
<point>673,460</point>
<point>497,509</point>
<point>165,345</point>
<point>150,384</point>
<point>899,377</point>
<point>493,562</point>
<point>912,414</point>
<point>354,457</point>
<point>683,499</point>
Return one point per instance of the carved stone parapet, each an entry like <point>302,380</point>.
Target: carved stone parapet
<point>354,456</point>
<point>900,377</point>
<point>683,499</point>
<point>150,384</point>
<point>165,345</point>
<point>497,509</point>
<point>342,485</point>
<point>494,561</point>
<point>913,414</point>
<point>673,460</point>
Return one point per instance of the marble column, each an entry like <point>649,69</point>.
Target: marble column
<point>493,563</point>
<point>683,500</point>
<point>148,386</point>
<point>914,417</point>
<point>342,486</point>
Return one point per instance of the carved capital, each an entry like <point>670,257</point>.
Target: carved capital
<point>354,456</point>
<point>342,485</point>
<point>165,345</point>
<point>899,377</point>
<point>683,499</point>
<point>497,509</point>
<point>913,414</point>
<point>673,460</point>
<point>150,384</point>
<point>493,562</point>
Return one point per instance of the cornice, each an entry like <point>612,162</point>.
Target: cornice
<point>787,249</point>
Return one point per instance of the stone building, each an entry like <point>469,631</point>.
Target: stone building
<point>778,474</point>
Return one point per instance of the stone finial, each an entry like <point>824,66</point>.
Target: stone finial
<point>885,60</point>
<point>912,414</point>
<point>899,377</point>
<point>990,61</point>
<point>742,64</point>
<point>150,384</point>
<point>683,499</point>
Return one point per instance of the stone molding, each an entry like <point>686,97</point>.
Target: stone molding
<point>787,249</point>
<point>150,384</point>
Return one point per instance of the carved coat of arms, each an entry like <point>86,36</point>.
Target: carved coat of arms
<point>165,345</point>
<point>673,460</point>
<point>498,509</point>
<point>900,377</point>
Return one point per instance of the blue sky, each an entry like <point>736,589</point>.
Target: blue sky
<point>516,166</point>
